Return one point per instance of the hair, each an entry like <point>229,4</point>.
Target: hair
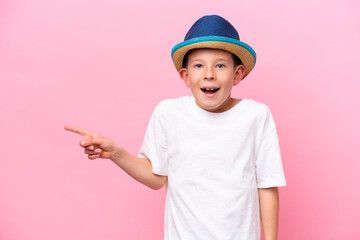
<point>236,59</point>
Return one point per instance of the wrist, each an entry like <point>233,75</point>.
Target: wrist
<point>115,156</point>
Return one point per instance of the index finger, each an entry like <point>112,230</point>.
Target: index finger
<point>78,130</point>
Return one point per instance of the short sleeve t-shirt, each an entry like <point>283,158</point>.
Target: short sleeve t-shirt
<point>214,162</point>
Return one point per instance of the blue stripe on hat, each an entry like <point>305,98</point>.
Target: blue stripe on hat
<point>214,39</point>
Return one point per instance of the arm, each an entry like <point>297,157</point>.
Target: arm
<point>269,211</point>
<point>98,146</point>
<point>138,168</point>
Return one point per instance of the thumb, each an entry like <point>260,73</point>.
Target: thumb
<point>97,141</point>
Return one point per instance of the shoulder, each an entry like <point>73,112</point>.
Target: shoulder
<point>263,115</point>
<point>170,110</point>
<point>173,104</point>
<point>257,107</point>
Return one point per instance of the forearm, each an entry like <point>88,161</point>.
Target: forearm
<point>138,168</point>
<point>269,211</point>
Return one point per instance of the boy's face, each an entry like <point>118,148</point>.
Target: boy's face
<point>212,69</point>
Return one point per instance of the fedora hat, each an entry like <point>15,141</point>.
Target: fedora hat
<point>213,31</point>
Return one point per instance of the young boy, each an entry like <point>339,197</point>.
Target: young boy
<point>219,155</point>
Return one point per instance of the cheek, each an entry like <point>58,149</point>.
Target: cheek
<point>188,82</point>
<point>192,83</point>
<point>229,85</point>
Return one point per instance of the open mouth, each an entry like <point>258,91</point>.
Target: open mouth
<point>209,90</point>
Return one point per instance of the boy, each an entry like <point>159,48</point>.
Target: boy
<point>219,155</point>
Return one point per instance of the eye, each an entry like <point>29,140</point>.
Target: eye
<point>198,65</point>
<point>220,66</point>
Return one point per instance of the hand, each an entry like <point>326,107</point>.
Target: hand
<point>96,146</point>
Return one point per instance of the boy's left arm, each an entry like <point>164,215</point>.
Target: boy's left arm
<point>269,211</point>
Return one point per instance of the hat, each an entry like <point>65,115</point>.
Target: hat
<point>213,31</point>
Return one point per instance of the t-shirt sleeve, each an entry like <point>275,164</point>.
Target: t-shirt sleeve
<point>269,167</point>
<point>154,144</point>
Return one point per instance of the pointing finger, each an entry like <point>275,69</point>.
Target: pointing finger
<point>78,130</point>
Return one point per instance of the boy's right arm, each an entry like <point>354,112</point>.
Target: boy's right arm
<point>138,168</point>
<point>98,146</point>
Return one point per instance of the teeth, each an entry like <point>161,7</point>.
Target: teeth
<point>210,89</point>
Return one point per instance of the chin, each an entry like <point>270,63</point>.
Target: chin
<point>210,108</point>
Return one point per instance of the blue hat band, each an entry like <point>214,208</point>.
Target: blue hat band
<point>214,39</point>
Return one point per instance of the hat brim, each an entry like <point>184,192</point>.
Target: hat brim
<point>243,51</point>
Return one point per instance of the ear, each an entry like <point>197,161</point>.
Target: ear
<point>239,74</point>
<point>184,76</point>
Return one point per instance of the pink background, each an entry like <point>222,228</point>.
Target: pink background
<point>104,65</point>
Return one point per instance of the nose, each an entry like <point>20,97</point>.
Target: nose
<point>209,74</point>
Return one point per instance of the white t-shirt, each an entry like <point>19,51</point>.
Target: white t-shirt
<point>214,162</point>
